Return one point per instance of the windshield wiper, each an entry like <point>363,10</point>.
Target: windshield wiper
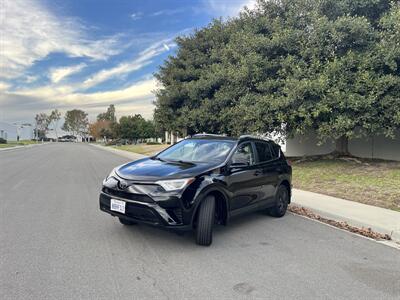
<point>182,162</point>
<point>157,158</point>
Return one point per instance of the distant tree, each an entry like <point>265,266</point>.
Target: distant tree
<point>150,130</point>
<point>109,115</point>
<point>129,127</point>
<point>135,127</point>
<point>54,118</point>
<point>76,122</point>
<point>42,121</point>
<point>101,129</point>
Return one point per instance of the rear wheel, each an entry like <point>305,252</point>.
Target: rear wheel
<point>126,222</point>
<point>281,202</point>
<point>205,221</point>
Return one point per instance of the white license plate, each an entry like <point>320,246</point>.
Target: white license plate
<point>118,205</point>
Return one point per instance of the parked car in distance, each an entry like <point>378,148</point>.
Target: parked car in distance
<point>199,182</point>
<point>67,138</point>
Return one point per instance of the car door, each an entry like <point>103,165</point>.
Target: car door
<point>241,181</point>
<point>268,166</point>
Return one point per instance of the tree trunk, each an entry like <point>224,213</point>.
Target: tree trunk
<point>342,145</point>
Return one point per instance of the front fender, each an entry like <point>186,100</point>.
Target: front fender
<point>208,185</point>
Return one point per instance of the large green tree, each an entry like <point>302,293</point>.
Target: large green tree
<point>288,66</point>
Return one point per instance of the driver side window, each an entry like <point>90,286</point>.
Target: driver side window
<point>244,154</point>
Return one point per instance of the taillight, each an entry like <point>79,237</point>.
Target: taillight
<point>289,162</point>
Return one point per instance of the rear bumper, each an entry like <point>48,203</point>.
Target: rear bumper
<point>147,213</point>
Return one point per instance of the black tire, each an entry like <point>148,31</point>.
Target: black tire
<point>281,202</point>
<point>205,221</point>
<point>126,222</point>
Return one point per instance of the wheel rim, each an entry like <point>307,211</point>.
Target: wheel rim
<point>281,203</point>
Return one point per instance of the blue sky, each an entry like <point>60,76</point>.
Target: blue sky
<point>88,54</point>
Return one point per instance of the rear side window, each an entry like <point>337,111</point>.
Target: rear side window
<point>276,150</point>
<point>264,152</point>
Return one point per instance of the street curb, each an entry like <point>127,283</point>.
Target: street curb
<point>123,153</point>
<point>340,212</point>
<point>22,147</point>
<point>392,243</point>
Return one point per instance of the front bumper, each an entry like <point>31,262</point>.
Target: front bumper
<point>148,213</point>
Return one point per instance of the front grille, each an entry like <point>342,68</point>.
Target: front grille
<point>126,195</point>
<point>141,213</point>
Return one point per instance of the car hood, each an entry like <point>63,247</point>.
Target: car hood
<point>148,169</point>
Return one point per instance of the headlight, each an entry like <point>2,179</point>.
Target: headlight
<point>111,175</point>
<point>175,184</point>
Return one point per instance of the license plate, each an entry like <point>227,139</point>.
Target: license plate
<point>118,205</point>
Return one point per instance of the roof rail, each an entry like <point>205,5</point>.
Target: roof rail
<point>209,134</point>
<point>256,137</point>
<point>212,136</point>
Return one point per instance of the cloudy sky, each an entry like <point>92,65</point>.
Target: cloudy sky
<point>88,54</point>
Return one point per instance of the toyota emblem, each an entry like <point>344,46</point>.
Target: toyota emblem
<point>122,185</point>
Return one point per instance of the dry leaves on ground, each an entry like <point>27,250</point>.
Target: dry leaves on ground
<point>368,232</point>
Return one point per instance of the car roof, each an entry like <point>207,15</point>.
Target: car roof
<point>208,136</point>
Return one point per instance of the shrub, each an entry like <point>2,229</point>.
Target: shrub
<point>3,141</point>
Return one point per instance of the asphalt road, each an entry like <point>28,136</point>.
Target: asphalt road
<point>56,244</point>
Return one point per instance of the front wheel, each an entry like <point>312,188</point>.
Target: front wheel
<point>281,202</point>
<point>205,221</point>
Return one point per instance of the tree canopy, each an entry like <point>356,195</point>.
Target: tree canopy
<point>135,127</point>
<point>76,122</point>
<point>54,118</point>
<point>109,115</point>
<point>42,121</point>
<point>288,66</point>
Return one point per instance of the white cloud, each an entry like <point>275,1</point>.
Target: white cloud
<point>228,8</point>
<point>143,59</point>
<point>30,32</point>
<point>136,16</point>
<point>4,86</point>
<point>58,74</point>
<point>135,98</point>
<point>136,91</point>
<point>66,95</point>
<point>167,12</point>
<point>30,78</point>
<point>166,47</point>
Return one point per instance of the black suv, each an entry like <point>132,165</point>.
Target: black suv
<point>200,181</point>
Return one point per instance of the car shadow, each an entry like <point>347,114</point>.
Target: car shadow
<point>243,224</point>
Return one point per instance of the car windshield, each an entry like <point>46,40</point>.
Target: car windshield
<point>198,151</point>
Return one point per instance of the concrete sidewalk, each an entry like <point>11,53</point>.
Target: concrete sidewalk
<point>22,146</point>
<point>357,214</point>
<point>127,154</point>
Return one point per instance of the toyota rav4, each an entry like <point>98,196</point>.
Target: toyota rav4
<point>199,182</point>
